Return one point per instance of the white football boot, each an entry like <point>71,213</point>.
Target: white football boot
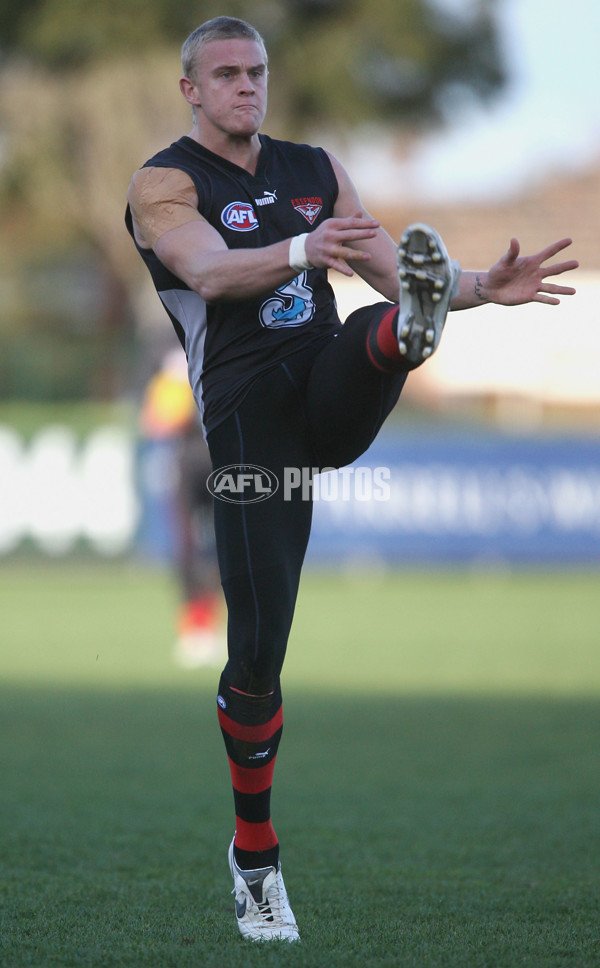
<point>261,903</point>
<point>428,281</point>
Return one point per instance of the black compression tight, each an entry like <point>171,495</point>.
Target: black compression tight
<point>321,407</point>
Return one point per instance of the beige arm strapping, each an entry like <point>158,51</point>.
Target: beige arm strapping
<point>161,199</point>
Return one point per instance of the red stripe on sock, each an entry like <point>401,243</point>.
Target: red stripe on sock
<point>251,781</point>
<point>387,340</point>
<point>254,836</point>
<point>251,734</point>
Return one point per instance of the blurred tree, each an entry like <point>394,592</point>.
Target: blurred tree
<point>337,60</point>
<point>71,143</point>
<point>353,60</point>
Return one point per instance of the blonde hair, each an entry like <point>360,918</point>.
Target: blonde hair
<point>219,28</point>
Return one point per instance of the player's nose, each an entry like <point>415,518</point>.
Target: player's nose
<point>247,83</point>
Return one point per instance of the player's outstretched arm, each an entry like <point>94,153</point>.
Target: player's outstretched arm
<point>515,279</point>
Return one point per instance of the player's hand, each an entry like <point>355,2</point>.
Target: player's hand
<point>332,244</point>
<point>516,279</point>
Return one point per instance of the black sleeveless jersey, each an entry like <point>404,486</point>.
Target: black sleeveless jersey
<point>229,344</point>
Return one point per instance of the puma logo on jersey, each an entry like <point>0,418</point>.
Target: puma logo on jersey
<point>308,207</point>
<point>269,198</point>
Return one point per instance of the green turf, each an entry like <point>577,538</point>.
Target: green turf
<point>410,632</point>
<point>437,792</point>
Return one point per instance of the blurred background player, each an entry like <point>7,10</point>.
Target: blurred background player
<point>169,414</point>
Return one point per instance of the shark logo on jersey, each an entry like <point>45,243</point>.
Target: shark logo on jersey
<point>240,217</point>
<point>291,305</point>
<point>309,207</point>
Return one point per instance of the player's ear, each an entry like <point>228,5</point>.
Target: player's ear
<point>189,91</point>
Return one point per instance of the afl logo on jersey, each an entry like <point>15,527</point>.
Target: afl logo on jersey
<point>240,217</point>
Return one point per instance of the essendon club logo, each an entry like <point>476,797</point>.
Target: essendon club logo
<point>309,207</point>
<point>240,217</point>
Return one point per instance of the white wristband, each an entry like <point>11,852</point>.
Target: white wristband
<point>297,256</point>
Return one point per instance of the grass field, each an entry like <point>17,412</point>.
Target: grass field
<point>437,791</point>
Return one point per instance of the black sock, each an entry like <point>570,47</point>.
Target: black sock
<point>250,860</point>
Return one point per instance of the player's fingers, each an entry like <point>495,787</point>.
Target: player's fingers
<point>344,245</point>
<point>340,266</point>
<point>333,253</point>
<point>559,267</point>
<point>361,224</point>
<point>513,250</point>
<point>355,235</point>
<point>559,290</point>
<point>552,249</point>
<point>354,254</point>
<point>348,239</point>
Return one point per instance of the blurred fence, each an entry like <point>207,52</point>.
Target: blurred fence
<point>413,498</point>
<point>58,495</point>
<point>455,498</point>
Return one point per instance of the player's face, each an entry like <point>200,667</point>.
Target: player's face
<point>230,78</point>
